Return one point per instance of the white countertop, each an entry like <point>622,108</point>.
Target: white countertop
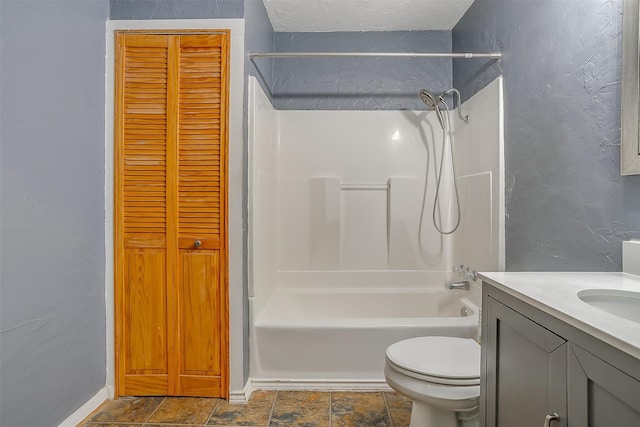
<point>556,294</point>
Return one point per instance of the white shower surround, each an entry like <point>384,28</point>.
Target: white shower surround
<point>335,201</point>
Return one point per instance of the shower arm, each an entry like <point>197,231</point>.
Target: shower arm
<point>457,92</point>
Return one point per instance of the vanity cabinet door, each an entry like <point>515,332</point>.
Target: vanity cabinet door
<point>600,395</point>
<point>525,368</point>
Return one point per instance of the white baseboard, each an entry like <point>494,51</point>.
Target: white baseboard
<point>320,385</point>
<point>241,397</point>
<point>105,393</point>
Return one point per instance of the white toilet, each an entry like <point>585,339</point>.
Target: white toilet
<point>441,375</point>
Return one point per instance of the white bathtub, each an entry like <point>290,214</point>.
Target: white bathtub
<point>339,335</point>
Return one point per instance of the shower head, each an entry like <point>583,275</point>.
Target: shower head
<point>433,103</point>
<point>429,99</point>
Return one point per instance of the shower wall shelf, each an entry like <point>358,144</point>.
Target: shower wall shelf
<point>274,55</point>
<point>357,187</point>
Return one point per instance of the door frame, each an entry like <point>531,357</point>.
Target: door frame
<point>237,350</point>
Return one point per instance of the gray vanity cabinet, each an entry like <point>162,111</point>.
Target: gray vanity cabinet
<point>535,365</point>
<point>600,395</point>
<point>526,377</point>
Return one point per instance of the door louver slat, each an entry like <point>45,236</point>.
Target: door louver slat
<point>145,133</point>
<point>199,152</point>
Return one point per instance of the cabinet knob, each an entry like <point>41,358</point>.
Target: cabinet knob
<point>549,418</point>
<point>197,243</point>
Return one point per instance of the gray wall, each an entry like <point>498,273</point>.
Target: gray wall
<point>259,37</point>
<point>175,9</point>
<point>359,83</point>
<point>568,208</point>
<point>52,304</point>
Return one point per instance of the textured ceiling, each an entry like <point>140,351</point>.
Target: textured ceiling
<point>364,15</point>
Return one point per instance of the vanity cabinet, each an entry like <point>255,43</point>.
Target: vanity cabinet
<point>526,377</point>
<point>535,365</point>
<point>599,394</point>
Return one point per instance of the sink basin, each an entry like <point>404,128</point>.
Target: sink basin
<point>625,304</point>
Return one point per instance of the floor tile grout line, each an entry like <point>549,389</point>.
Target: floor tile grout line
<point>111,423</point>
<point>330,408</point>
<point>213,411</point>
<point>154,411</point>
<point>386,405</point>
<point>176,424</point>
<point>273,406</point>
<point>171,424</point>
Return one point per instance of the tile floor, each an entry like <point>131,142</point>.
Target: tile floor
<point>265,408</point>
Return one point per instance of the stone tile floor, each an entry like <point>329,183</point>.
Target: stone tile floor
<point>265,408</point>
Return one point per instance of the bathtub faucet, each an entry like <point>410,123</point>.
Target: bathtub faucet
<point>463,286</point>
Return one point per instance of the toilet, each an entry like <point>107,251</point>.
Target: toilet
<point>442,377</point>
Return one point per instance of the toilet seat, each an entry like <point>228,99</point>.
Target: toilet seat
<point>438,360</point>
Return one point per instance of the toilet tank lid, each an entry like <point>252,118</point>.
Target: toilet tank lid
<point>445,357</point>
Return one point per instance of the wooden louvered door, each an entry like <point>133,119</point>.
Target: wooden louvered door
<point>201,191</point>
<point>170,160</point>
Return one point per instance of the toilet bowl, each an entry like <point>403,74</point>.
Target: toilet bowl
<point>442,377</point>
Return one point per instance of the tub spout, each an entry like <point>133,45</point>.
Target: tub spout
<point>463,286</point>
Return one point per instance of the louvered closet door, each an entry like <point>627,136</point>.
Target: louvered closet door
<point>171,309</point>
<point>201,223</point>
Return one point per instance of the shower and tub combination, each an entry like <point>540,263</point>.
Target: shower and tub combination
<point>359,222</point>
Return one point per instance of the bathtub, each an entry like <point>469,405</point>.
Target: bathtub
<point>339,335</point>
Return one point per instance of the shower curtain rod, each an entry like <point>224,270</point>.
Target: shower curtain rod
<point>491,55</point>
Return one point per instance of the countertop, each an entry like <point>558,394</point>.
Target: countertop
<point>556,294</point>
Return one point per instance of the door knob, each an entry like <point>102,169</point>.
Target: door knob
<point>197,244</point>
<point>549,418</point>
